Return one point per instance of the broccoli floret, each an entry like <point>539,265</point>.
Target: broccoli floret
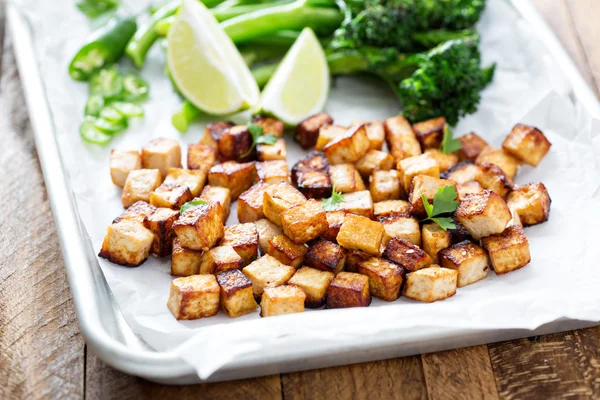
<point>449,14</point>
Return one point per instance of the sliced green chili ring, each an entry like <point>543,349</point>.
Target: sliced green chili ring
<point>135,88</point>
<point>95,8</point>
<point>94,105</point>
<point>89,133</point>
<point>107,83</point>
<point>128,110</point>
<point>110,128</point>
<point>110,114</point>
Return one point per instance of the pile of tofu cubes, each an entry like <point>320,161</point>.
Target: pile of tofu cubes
<point>287,252</point>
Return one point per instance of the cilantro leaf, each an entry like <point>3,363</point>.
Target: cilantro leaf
<point>444,202</point>
<point>428,207</point>
<point>333,203</point>
<point>449,144</point>
<point>268,139</point>
<point>191,204</point>
<point>444,222</point>
<point>259,137</point>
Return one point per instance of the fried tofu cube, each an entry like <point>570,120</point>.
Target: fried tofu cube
<point>527,143</point>
<point>213,132</point>
<point>313,161</point>
<point>237,298</point>
<point>492,178</point>
<point>201,157</point>
<point>244,240</point>
<point>160,222</point>
<point>250,203</point>
<point>185,262</point>
<point>431,284</point>
<point>234,176</point>
<point>532,203</point>
<point>171,195</point>
<point>483,214</point>
<point>326,256</point>
<point>374,160</point>
<point>390,207</point>
<point>347,290</point>
<point>349,147</point>
<point>335,219</point>
<point>122,162</point>
<point>462,172</point>
<point>304,222</point>
<point>471,145</point>
<point>138,211</point>
<point>328,133</point>
<point>430,133</point>
<point>470,260</point>
<point>139,186</point>
<point>162,154</point>
<point>445,161</point>
<point>401,138</point>
<point>269,125</point>
<point>385,185</point>
<point>194,297</point>
<point>127,243</point>
<point>193,179</point>
<point>314,283</point>
<point>353,257</point>
<point>346,178</point>
<point>359,203</point>
<point>515,220</point>
<point>435,239</point>
<point>385,278</point>
<point>467,188</point>
<point>278,198</point>
<point>427,186</point>
<point>314,184</point>
<point>221,195</point>
<point>404,253</point>
<point>307,130</point>
<point>286,251</point>
<point>266,272</point>
<point>360,233</point>
<point>220,259</point>
<point>266,231</point>
<point>200,227</point>
<point>507,163</point>
<point>375,132</point>
<point>272,171</point>
<point>419,165</point>
<point>402,226</point>
<point>267,152</point>
<point>282,300</point>
<point>508,250</point>
<point>235,144</point>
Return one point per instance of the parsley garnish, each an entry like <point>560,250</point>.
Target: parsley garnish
<point>449,144</point>
<point>444,202</point>
<point>259,137</point>
<point>333,203</point>
<point>191,204</point>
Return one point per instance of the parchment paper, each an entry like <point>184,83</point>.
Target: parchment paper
<point>561,283</point>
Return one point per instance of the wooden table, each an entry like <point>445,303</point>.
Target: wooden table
<point>43,355</point>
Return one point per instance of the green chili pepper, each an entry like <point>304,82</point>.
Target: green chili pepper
<point>136,88</point>
<point>95,8</point>
<point>107,83</point>
<point>186,115</point>
<point>128,110</point>
<point>94,105</point>
<point>111,114</point>
<point>110,128</point>
<point>91,134</point>
<point>105,46</point>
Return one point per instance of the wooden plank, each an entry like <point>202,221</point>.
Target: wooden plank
<point>41,349</point>
<point>400,378</point>
<point>585,15</point>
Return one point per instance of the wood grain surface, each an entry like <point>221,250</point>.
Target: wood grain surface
<point>42,353</point>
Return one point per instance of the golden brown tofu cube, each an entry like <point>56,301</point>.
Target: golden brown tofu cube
<point>286,251</point>
<point>470,260</point>
<point>221,195</point>
<point>430,133</point>
<point>161,154</point>
<point>269,125</point>
<point>419,165</point>
<point>402,226</point>
<point>508,250</point>
<point>375,132</point>
<point>471,145</point>
<point>328,133</point>
<point>138,211</point>
<point>266,272</point>
<point>406,254</point>
<point>314,184</point>
<point>385,278</point>
<point>532,203</point>
<point>122,162</point>
<point>244,240</point>
<point>314,283</point>
<point>335,219</point>
<point>266,231</point>
<point>171,195</point>
<point>467,188</point>
<point>515,220</point>
<point>194,297</point>
<point>359,203</point>
<point>483,214</point>
<point>347,290</point>
<point>492,178</point>
<point>282,300</point>
<point>139,186</point>
<point>431,284</point>
<point>346,179</point>
<point>427,186</point>
<point>435,239</point>
<point>307,131</point>
<point>160,223</point>
<point>214,130</point>
<point>507,163</point>
<point>353,257</point>
<point>445,161</point>
<point>374,160</point>
<point>348,148</point>
<point>200,227</point>
<point>268,152</point>
<point>400,138</point>
<point>193,179</point>
<point>462,172</point>
<point>127,243</point>
<point>235,144</point>
<point>360,233</point>
<point>185,262</point>
<point>278,198</point>
<point>390,207</point>
<point>326,256</point>
<point>385,185</point>
<point>220,259</point>
<point>527,143</point>
<point>234,176</point>
<point>304,222</point>
<point>237,298</point>
<point>272,171</point>
<point>201,157</point>
<point>250,203</point>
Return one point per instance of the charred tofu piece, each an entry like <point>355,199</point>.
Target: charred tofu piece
<point>507,163</point>
<point>193,179</point>
<point>214,130</point>
<point>374,160</point>
<point>282,300</point>
<point>431,284</point>
<point>467,188</point>
<point>138,211</point>
<point>435,239</point>
<point>463,172</point>
<point>314,283</point>
<point>304,222</point>
<point>375,132</point>
<point>385,185</point>
<point>267,152</point>
<point>445,161</point>
<point>139,186</point>
<point>385,278</point>
<point>314,184</point>
<point>200,227</point>
<point>307,131</point>
<point>532,203</point>
<point>162,154</point>
<point>160,223</point>
<point>266,272</point>
<point>220,259</point>
<point>185,262</point>
<point>266,231</point>
<point>348,148</point>
<point>286,251</point>
<point>328,133</point>
<point>278,198</point>
<point>221,195</point>
<point>269,125</point>
<point>353,257</point>
<point>326,256</point>
<point>470,260</point>
<point>235,143</point>
<point>404,253</point>
<point>471,145</point>
<point>347,290</point>
<point>234,176</point>
<point>201,157</point>
<point>127,243</point>
<point>430,133</point>
<point>335,219</point>
<point>527,143</point>
<point>400,138</point>
<point>427,186</point>
<point>492,178</point>
<point>272,171</point>
<point>171,195</point>
<point>419,165</point>
<point>194,297</point>
<point>360,233</point>
<point>390,207</point>
<point>250,203</point>
<point>313,161</point>
<point>402,226</point>
<point>508,250</point>
<point>483,214</point>
<point>346,178</point>
<point>359,203</point>
<point>237,298</point>
<point>460,233</point>
<point>122,162</point>
<point>244,240</point>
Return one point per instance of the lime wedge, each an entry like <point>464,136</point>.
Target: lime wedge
<point>300,85</point>
<point>205,64</point>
